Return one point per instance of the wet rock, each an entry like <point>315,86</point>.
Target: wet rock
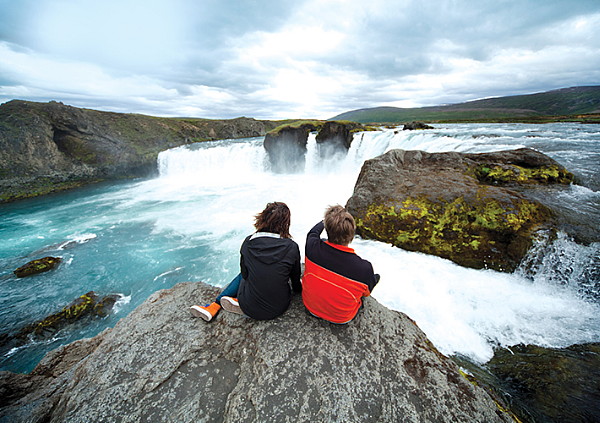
<point>551,384</point>
<point>88,305</point>
<point>456,206</point>
<point>335,137</point>
<point>161,364</point>
<point>286,147</point>
<point>412,126</point>
<point>37,266</point>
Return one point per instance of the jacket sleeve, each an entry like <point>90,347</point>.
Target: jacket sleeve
<point>314,236</point>
<point>373,280</point>
<point>296,271</point>
<point>243,268</point>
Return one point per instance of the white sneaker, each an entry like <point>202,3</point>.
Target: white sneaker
<point>231,305</point>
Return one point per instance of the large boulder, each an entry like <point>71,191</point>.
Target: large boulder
<point>161,364</point>
<point>463,207</point>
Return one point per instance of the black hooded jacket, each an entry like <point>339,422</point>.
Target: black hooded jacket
<point>268,264</point>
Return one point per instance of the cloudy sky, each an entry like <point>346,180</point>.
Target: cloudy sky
<point>272,59</point>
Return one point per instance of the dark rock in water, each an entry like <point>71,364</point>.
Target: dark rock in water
<point>412,126</point>
<point>286,147</point>
<point>48,147</point>
<point>335,137</point>
<point>457,206</point>
<point>37,266</point>
<point>86,306</point>
<point>160,364</point>
<point>551,385</point>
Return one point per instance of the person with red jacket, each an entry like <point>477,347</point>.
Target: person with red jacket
<point>335,277</point>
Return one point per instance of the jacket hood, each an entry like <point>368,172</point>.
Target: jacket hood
<point>265,247</point>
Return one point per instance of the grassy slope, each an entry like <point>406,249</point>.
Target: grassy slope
<point>564,104</point>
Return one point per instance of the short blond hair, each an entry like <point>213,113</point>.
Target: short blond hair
<point>339,224</point>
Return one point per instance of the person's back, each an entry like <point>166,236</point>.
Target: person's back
<point>268,264</point>
<point>269,270</point>
<point>335,278</point>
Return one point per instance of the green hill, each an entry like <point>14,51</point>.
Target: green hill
<point>557,104</point>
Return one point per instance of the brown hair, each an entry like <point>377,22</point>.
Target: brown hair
<point>275,218</point>
<point>340,225</point>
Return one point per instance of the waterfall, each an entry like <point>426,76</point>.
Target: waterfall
<point>135,237</point>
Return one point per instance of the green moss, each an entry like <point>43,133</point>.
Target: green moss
<point>313,125</point>
<point>463,232</point>
<point>37,266</point>
<point>84,305</point>
<point>510,173</point>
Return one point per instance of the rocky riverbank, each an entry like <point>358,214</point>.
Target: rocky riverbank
<point>161,364</point>
<point>49,147</point>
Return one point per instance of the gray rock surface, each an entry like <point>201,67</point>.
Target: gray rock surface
<point>160,364</point>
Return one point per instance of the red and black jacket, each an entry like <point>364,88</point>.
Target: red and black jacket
<point>335,279</point>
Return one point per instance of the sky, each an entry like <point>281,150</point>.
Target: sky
<point>278,59</point>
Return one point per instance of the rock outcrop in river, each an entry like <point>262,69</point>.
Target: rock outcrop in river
<point>161,364</point>
<point>47,147</point>
<point>286,145</point>
<point>463,207</point>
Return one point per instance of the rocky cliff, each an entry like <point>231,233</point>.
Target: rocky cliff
<point>161,364</point>
<point>47,147</point>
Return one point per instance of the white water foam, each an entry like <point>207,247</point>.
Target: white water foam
<point>121,302</point>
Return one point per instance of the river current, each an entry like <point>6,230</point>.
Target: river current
<point>133,238</point>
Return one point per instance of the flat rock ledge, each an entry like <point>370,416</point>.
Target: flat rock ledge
<point>161,364</point>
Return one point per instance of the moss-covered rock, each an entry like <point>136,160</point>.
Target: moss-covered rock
<point>497,174</point>
<point>438,204</point>
<point>88,305</point>
<point>37,266</point>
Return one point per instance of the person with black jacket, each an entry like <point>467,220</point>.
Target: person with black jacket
<point>269,270</point>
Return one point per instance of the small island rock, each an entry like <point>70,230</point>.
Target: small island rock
<point>37,266</point>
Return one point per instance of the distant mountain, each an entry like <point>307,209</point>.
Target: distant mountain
<point>563,102</point>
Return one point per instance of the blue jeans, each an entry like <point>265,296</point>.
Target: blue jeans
<point>230,290</point>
